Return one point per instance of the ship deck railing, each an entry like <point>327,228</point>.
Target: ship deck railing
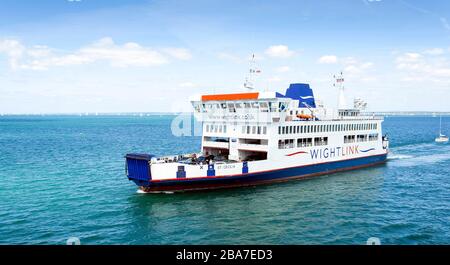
<point>174,158</point>
<point>358,118</point>
<point>190,159</point>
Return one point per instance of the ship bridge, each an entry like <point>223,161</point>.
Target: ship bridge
<point>239,125</point>
<point>253,106</point>
<point>262,107</point>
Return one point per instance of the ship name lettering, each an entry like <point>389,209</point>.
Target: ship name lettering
<point>333,152</point>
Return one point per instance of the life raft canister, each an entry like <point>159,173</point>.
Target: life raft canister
<point>304,116</point>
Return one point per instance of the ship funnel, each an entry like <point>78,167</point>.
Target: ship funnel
<point>303,93</point>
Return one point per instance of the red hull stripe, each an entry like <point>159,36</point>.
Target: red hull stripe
<point>296,153</point>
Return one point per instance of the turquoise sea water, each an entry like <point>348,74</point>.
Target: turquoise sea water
<point>63,176</point>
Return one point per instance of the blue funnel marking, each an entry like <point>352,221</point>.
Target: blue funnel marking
<point>303,93</point>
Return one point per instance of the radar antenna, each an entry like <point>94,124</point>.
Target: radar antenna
<point>339,83</point>
<point>249,80</point>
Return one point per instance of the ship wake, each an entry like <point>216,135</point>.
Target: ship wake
<point>419,154</point>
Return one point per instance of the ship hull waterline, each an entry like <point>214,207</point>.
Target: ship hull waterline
<point>260,178</point>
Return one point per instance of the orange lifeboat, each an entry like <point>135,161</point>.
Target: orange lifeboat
<point>304,116</point>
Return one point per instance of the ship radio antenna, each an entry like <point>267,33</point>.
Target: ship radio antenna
<point>339,83</point>
<point>253,71</point>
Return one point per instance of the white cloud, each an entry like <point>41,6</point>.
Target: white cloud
<point>434,51</point>
<point>178,53</point>
<point>283,69</point>
<point>274,79</point>
<point>351,69</point>
<point>408,57</point>
<point>356,69</point>
<point>39,51</point>
<point>279,51</point>
<point>366,65</point>
<point>418,67</point>
<point>103,50</point>
<point>229,57</point>
<point>409,61</point>
<point>348,60</point>
<point>328,59</point>
<point>186,85</point>
<point>14,50</point>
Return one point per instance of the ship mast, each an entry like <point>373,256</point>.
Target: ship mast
<point>339,83</point>
<point>250,78</point>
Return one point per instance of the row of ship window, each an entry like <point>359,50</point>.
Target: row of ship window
<point>302,142</point>
<point>361,138</point>
<point>320,141</point>
<point>232,107</point>
<point>254,129</point>
<point>219,128</point>
<point>222,128</point>
<point>216,128</point>
<point>326,128</point>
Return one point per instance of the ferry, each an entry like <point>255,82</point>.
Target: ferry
<point>256,137</point>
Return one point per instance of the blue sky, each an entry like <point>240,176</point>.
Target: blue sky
<point>61,56</point>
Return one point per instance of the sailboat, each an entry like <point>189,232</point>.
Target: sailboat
<point>441,138</point>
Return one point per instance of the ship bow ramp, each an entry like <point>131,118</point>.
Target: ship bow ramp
<point>137,168</point>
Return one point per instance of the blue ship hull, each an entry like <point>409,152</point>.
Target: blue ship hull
<point>141,175</point>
